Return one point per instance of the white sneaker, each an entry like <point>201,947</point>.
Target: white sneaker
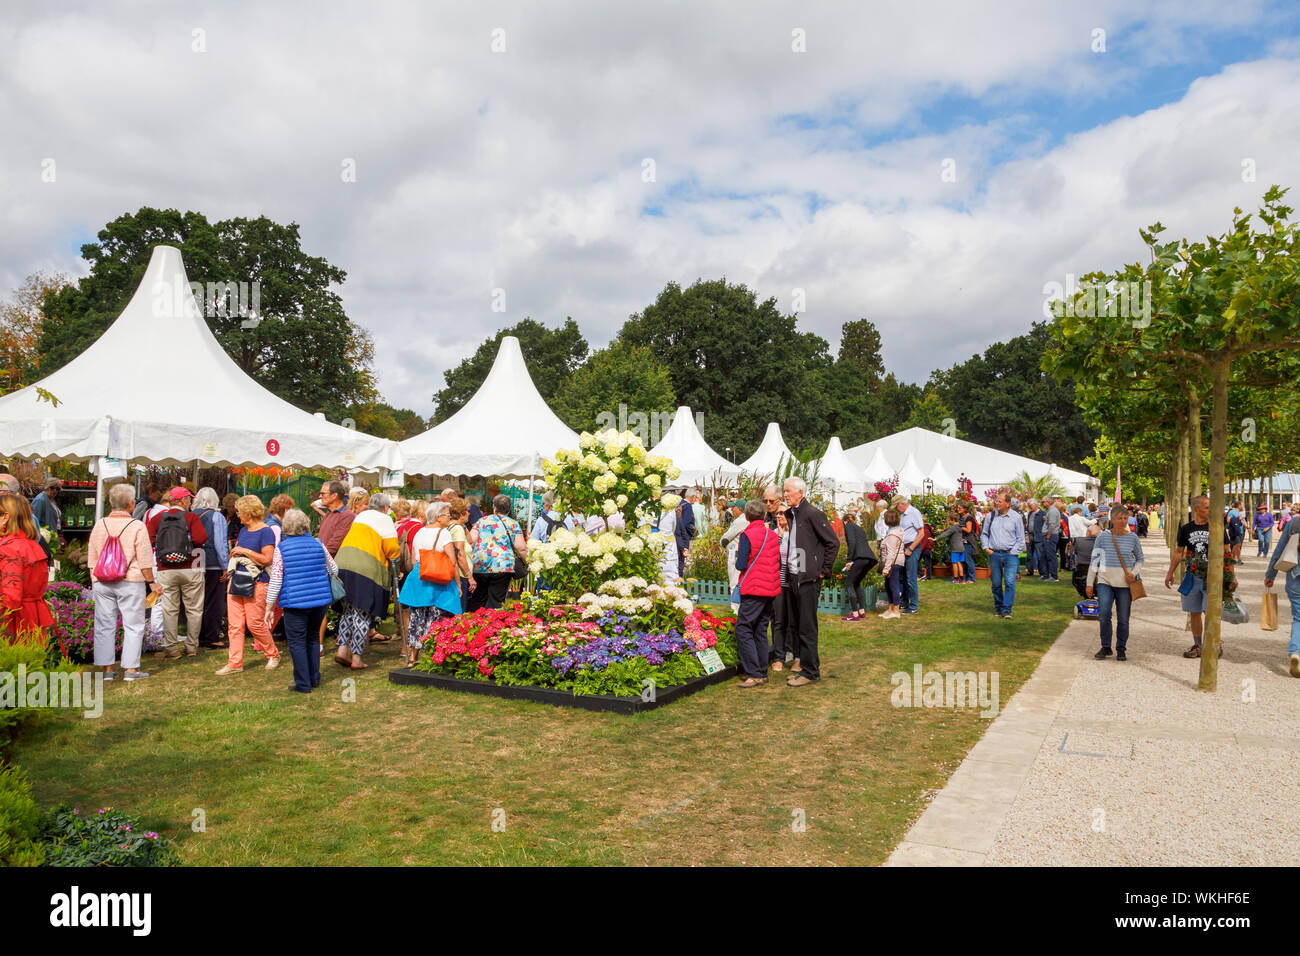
<point>1295,665</point>
<point>273,663</point>
<point>229,670</point>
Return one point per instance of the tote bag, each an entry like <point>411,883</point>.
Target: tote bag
<point>1288,558</point>
<point>435,566</point>
<point>1136,589</point>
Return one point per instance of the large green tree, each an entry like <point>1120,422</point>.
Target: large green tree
<point>1003,399</point>
<point>301,345</point>
<point>738,361</point>
<point>552,356</point>
<point>627,375</point>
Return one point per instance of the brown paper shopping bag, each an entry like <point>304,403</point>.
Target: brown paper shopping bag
<point>1268,615</point>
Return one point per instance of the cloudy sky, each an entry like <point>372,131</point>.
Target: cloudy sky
<point>929,166</point>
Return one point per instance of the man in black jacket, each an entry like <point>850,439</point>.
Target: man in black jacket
<point>809,547</point>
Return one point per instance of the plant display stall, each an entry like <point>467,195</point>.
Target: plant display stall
<point>602,632</point>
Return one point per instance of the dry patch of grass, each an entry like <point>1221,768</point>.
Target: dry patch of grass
<point>406,775</point>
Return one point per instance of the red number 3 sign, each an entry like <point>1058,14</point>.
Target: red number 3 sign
<point>273,447</point>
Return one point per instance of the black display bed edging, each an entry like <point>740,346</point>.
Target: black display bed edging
<point>561,698</point>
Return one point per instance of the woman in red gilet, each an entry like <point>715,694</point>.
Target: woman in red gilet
<point>24,573</point>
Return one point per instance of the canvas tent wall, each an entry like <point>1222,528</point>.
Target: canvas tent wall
<point>505,429</point>
<point>839,477</point>
<point>985,467</point>
<point>769,455</point>
<point>688,450</point>
<point>126,397</point>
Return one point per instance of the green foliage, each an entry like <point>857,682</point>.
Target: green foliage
<point>304,349</point>
<point>1004,399</point>
<point>622,374</point>
<point>708,560</point>
<point>106,838</point>
<point>932,412</point>
<point>34,654</point>
<point>1025,486</point>
<point>738,361</point>
<point>20,820</point>
<point>552,357</point>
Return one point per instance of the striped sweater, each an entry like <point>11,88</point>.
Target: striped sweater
<point>371,542</point>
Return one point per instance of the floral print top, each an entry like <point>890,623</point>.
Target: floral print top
<point>495,551</point>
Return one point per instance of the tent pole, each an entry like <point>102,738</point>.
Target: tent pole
<point>531,480</point>
<point>99,489</point>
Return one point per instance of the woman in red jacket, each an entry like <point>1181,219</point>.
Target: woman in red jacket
<point>24,573</point>
<point>759,563</point>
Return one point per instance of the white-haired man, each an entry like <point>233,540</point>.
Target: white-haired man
<point>912,522</point>
<point>809,546</point>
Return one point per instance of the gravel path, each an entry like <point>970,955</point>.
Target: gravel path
<point>1103,763</point>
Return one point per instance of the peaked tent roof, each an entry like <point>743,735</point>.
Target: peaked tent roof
<point>688,450</point>
<point>834,466</point>
<point>767,457</point>
<point>910,476</point>
<point>944,482</point>
<point>877,469</point>
<point>112,405</point>
<point>506,428</point>
<point>985,467</point>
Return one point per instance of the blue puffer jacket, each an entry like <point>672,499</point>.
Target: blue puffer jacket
<point>306,581</point>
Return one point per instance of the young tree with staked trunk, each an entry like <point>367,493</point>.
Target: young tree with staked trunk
<point>1214,304</point>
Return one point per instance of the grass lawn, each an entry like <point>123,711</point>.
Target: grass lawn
<point>409,775</point>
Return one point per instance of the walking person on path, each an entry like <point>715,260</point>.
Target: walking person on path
<point>1263,529</point>
<point>1115,565</point>
<point>1194,540</point>
<point>1003,538</point>
<point>1292,594</point>
<point>857,562</point>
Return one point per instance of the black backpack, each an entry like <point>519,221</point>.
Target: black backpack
<point>173,544</point>
<point>551,523</point>
<point>1143,523</point>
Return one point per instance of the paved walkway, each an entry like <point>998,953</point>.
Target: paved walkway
<point>1103,763</point>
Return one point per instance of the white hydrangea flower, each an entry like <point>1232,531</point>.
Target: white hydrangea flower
<point>653,480</point>
<point>669,502</point>
<point>634,544</point>
<point>621,501</point>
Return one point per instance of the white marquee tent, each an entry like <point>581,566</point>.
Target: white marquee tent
<point>911,479</point>
<point>877,469</point>
<point>121,398</point>
<point>985,467</point>
<point>769,454</point>
<point>688,450</point>
<point>839,476</point>
<point>505,429</point>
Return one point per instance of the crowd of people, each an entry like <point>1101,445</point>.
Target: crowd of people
<point>235,566</point>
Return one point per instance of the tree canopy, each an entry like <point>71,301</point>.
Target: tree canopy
<point>552,356</point>
<point>301,345</point>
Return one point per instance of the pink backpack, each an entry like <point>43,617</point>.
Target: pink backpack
<point>112,563</point>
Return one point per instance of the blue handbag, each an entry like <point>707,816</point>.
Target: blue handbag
<point>735,592</point>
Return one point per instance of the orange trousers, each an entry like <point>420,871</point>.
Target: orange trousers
<point>250,612</point>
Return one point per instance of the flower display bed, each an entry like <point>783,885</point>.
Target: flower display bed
<point>631,646</point>
<point>559,698</point>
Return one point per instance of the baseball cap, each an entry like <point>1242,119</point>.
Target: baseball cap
<point>738,503</point>
<point>179,493</point>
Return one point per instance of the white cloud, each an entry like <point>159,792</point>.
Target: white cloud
<point>523,170</point>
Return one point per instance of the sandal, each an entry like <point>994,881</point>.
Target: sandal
<point>358,667</point>
<point>749,682</point>
<point>342,661</point>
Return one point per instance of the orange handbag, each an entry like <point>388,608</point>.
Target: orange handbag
<point>435,566</point>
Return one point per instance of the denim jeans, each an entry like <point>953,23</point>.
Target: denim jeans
<point>1047,559</point>
<point>910,595</point>
<point>1265,539</point>
<point>1002,576</point>
<point>1293,592</point>
<point>1031,557</point>
<point>1121,599</point>
<point>970,564</point>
